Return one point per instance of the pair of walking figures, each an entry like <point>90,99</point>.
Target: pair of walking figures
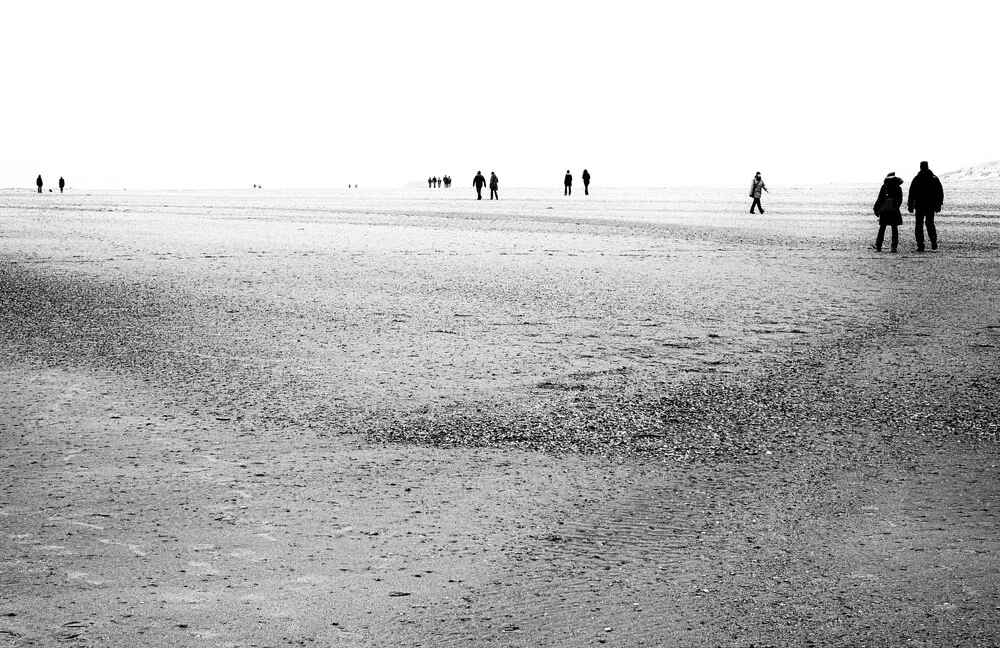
<point>923,200</point>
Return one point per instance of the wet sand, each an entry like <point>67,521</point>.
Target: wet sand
<point>410,418</point>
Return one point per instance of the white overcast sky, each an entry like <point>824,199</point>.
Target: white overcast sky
<point>150,94</point>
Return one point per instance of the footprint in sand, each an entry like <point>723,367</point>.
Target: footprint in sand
<point>83,576</point>
<point>203,567</point>
<point>134,548</point>
<point>248,555</point>
<point>86,524</point>
<point>203,547</point>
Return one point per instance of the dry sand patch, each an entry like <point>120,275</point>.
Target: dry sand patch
<point>414,423</point>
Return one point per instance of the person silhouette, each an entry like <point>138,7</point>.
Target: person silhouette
<point>890,197</point>
<point>479,182</point>
<point>38,183</point>
<point>494,186</point>
<point>62,183</point>
<point>568,184</point>
<point>586,182</point>
<point>755,188</point>
<point>925,197</point>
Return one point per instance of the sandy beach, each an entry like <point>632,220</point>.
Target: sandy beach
<point>410,418</point>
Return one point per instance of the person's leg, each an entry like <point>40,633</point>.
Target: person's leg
<point>931,230</point>
<point>880,237</point>
<point>918,228</point>
<point>586,190</point>
<point>895,238</point>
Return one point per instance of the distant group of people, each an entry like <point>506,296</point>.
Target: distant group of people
<point>568,183</point>
<point>923,200</point>
<point>479,182</point>
<point>39,184</point>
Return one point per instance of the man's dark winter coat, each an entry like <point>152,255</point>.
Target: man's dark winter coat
<point>926,193</point>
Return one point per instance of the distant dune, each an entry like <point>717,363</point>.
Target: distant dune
<point>986,172</point>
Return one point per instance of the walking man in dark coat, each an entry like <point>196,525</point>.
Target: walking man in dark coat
<point>568,184</point>
<point>756,187</point>
<point>38,183</point>
<point>62,183</point>
<point>586,182</point>
<point>924,200</point>
<point>479,182</point>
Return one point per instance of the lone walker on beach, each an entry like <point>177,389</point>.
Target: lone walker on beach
<point>568,184</point>
<point>62,184</point>
<point>494,186</point>
<point>38,183</point>
<point>924,200</point>
<point>586,182</point>
<point>755,192</point>
<point>479,182</point>
<point>890,198</point>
